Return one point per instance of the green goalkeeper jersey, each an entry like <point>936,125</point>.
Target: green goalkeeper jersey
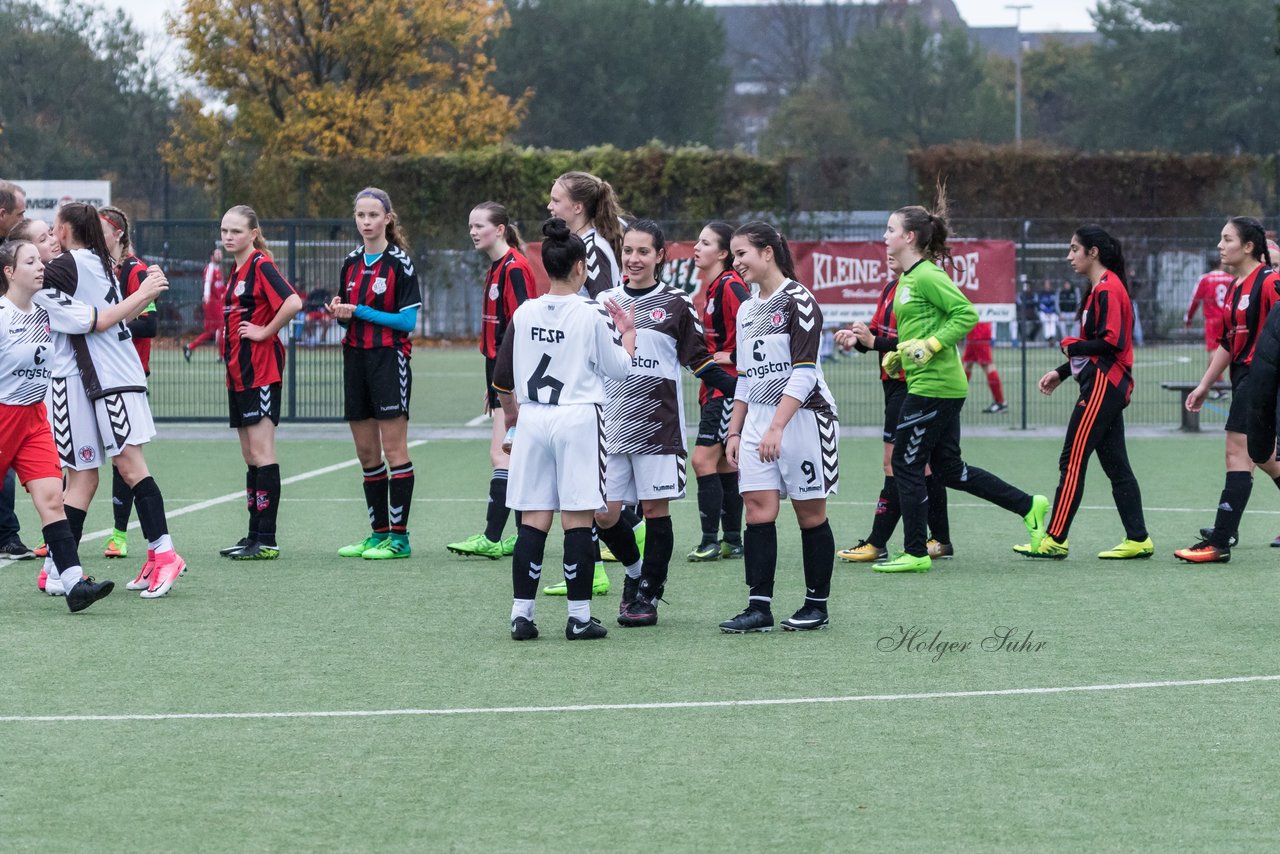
<point>929,305</point>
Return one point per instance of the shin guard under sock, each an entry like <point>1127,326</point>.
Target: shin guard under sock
<point>526,562</point>
<point>268,503</point>
<point>731,515</point>
<point>659,543</point>
<point>621,540</point>
<point>888,512</point>
<point>62,545</point>
<point>121,500</point>
<point>760,546</point>
<point>1235,497</point>
<point>818,546</point>
<point>710,506</point>
<point>496,515</point>
<point>579,563</point>
<point>150,504</point>
<point>75,519</point>
<point>375,498</point>
<point>251,497</point>
<point>400,498</point>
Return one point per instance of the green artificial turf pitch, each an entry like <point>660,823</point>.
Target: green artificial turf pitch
<point>1156,768</point>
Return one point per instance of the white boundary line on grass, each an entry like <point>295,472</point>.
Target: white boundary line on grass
<point>630,707</point>
<point>239,496</point>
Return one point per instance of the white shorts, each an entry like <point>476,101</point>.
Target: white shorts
<point>808,466</point>
<point>88,433</point>
<point>644,477</point>
<point>557,458</point>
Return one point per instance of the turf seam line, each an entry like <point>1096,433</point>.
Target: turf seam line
<point>626,707</point>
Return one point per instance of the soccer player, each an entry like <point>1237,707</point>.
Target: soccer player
<point>510,283</point>
<point>554,359</point>
<point>719,502</point>
<point>644,419</point>
<point>783,435</point>
<point>1211,294</point>
<point>881,336</point>
<point>130,271</point>
<point>1047,309</point>
<point>38,232</point>
<point>933,316</point>
<point>1101,360</point>
<point>28,316</point>
<point>98,398</point>
<point>977,351</point>
<point>590,207</point>
<point>379,305</point>
<point>213,301</point>
<point>1249,300</point>
<point>259,304</point>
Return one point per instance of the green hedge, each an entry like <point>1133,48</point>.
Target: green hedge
<point>1002,181</point>
<point>435,194</point>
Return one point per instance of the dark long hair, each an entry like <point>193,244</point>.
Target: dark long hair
<point>761,234</point>
<point>929,227</point>
<point>654,230</point>
<point>724,234</point>
<point>394,233</point>
<point>9,258</point>
<point>86,228</point>
<point>1250,230</point>
<point>1110,255</point>
<point>561,248</point>
<point>498,215</point>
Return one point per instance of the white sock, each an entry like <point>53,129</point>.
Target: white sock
<point>580,610</point>
<point>633,571</point>
<point>71,577</point>
<point>50,568</point>
<point>522,608</point>
<point>164,544</point>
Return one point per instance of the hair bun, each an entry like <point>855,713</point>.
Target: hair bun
<point>556,229</point>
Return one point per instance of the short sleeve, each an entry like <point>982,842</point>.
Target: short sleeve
<point>408,293</point>
<point>273,284</point>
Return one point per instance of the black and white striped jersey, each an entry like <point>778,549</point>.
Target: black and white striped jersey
<point>778,337</point>
<point>603,272</point>
<point>26,343</point>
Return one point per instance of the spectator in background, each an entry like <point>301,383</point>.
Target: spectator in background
<point>1068,307</point>
<point>13,206</point>
<point>1047,310</point>
<point>1027,316</point>
<point>1211,293</point>
<point>215,294</point>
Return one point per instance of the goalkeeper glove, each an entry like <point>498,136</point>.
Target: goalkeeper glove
<point>920,350</point>
<point>892,363</point>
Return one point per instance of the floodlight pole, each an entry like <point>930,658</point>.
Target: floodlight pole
<point>1017,10</point>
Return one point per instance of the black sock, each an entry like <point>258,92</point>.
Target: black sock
<point>268,502</point>
<point>579,564</point>
<point>659,543</point>
<point>121,500</point>
<point>761,562</point>
<point>731,515</point>
<point>629,515</point>
<point>888,512</point>
<point>75,519</point>
<point>819,548</point>
<point>621,540</point>
<point>939,524</point>
<point>400,498</point>
<point>375,498</point>
<point>150,503</point>
<point>62,543</point>
<point>710,506</point>
<point>526,563</point>
<point>496,515</point>
<point>1235,497</point>
<point>251,497</point>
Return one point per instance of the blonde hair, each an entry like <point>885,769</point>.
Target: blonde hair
<point>251,217</point>
<point>600,203</point>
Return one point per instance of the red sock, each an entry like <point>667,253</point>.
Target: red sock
<point>993,383</point>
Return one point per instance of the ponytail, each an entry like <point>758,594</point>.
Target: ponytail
<point>599,202</point>
<point>251,217</point>
<point>86,229</point>
<point>761,234</point>
<point>1110,255</point>
<point>1251,231</point>
<point>120,221</point>
<point>724,235</point>
<point>498,215</point>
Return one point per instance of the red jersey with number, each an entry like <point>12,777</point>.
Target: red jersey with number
<point>387,284</point>
<point>725,295</point>
<point>255,293</point>
<point>131,273</point>
<point>1248,302</point>
<point>1211,293</point>
<point>509,284</point>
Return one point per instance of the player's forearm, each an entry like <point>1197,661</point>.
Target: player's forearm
<point>510,408</point>
<point>739,416</point>
<point>1217,364</point>
<point>284,314</point>
<point>787,408</point>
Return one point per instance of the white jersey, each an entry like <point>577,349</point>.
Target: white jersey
<point>558,350</point>
<point>777,337</point>
<point>26,343</point>
<point>603,271</point>
<point>106,361</point>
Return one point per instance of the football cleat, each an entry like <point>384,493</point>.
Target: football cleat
<point>41,577</point>
<point>478,545</point>
<point>143,581</point>
<point>168,566</point>
<point>643,611</point>
<point>15,549</point>
<point>1204,552</point>
<point>729,551</point>
<point>86,592</point>
<point>41,550</point>
<point>53,586</point>
<point>392,548</point>
<point>1233,540</point>
<point>705,552</point>
<point>1130,550</point>
<point>589,630</point>
<point>630,587</point>
<point>509,546</point>
<point>1034,520</point>
<point>599,584</point>
<point>1048,548</point>
<point>863,552</point>
<point>522,629</point>
<point>750,620</point>
<point>256,551</point>
<point>117,545</point>
<point>230,550</point>
<point>996,407</point>
<point>358,549</point>
<point>905,563</point>
<point>807,619</point>
<point>939,551</point>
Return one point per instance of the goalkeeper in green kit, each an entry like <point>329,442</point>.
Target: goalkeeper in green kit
<point>933,317</point>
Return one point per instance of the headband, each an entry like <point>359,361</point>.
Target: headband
<point>380,197</point>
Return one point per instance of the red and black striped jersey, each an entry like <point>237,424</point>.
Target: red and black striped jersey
<point>255,293</point>
<point>1249,301</point>
<point>388,284</point>
<point>1107,317</point>
<point>725,295</point>
<point>131,272</point>
<point>510,283</point>
<point>884,328</point>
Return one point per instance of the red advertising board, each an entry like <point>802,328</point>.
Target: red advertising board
<point>847,276</point>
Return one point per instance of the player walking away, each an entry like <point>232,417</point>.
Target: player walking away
<point>1243,248</point>
<point>561,348</point>
<point>783,436</point>
<point>98,401</point>
<point>130,271</point>
<point>28,316</point>
<point>933,316</point>
<point>719,502</point>
<point>213,301</point>
<point>977,351</point>
<point>881,336</point>
<point>1210,296</point>
<point>644,419</point>
<point>510,283</point>
<point>1101,360</point>
<point>590,207</point>
<point>259,304</point>
<point>379,305</point>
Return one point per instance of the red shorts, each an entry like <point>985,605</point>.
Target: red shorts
<point>1212,333</point>
<point>26,443</point>
<point>977,351</point>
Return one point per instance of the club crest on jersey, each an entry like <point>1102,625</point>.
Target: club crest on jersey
<point>380,285</point>
<point>776,319</point>
<point>657,314</point>
<point>711,306</point>
<point>239,289</point>
<point>87,454</point>
<point>1244,302</point>
<point>493,292</point>
<point>904,294</point>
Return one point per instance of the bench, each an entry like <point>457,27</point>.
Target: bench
<point>1191,420</point>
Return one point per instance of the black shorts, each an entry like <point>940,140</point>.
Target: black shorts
<point>714,424</point>
<point>250,406</point>
<point>895,391</point>
<point>376,383</point>
<point>491,395</point>
<point>1238,414</point>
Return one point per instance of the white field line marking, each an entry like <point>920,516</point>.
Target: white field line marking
<point>629,707</point>
<point>478,420</point>
<point>239,496</point>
